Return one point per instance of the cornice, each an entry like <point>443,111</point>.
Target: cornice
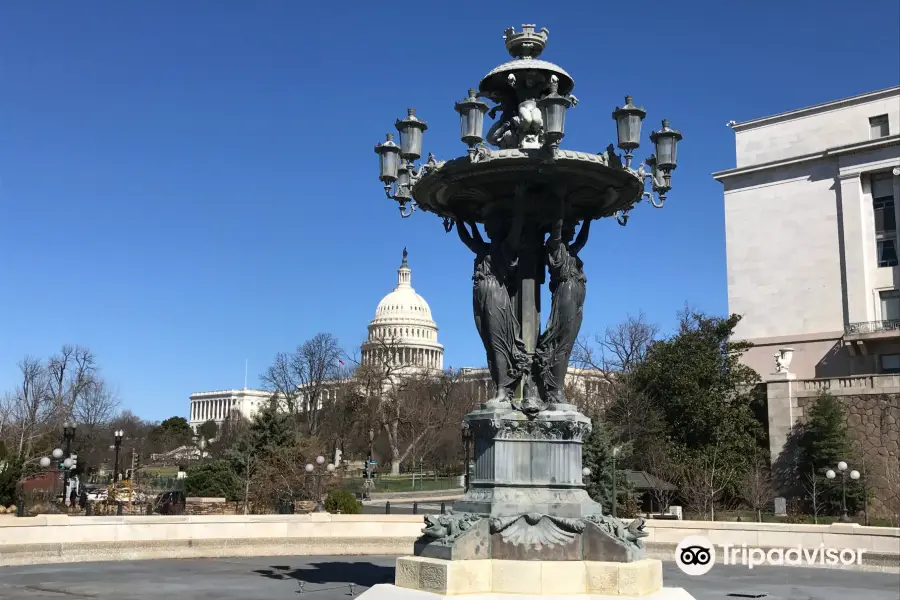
<point>219,394</point>
<point>856,147</point>
<point>817,108</point>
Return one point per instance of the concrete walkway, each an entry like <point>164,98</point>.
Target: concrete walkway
<point>329,578</point>
<point>419,496</point>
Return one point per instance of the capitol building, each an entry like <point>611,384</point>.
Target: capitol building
<point>403,336</point>
<point>404,318</point>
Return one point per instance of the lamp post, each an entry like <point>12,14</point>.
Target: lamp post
<point>55,458</point>
<point>68,436</point>
<point>467,440</point>
<point>311,470</point>
<point>118,434</point>
<point>615,499</point>
<point>854,475</point>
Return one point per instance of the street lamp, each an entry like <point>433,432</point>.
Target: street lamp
<point>118,434</point>
<point>615,499</point>
<point>854,475</point>
<point>311,470</point>
<point>467,440</point>
<point>68,436</point>
<point>45,463</point>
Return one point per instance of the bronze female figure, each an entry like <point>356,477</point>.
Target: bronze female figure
<point>495,317</point>
<point>568,288</point>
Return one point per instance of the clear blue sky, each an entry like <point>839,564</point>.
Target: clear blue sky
<point>184,185</point>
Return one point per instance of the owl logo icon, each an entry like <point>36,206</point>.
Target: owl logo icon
<point>695,555</point>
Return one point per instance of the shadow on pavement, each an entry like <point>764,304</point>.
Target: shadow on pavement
<point>364,574</point>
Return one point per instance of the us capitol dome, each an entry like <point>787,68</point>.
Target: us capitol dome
<point>403,329</point>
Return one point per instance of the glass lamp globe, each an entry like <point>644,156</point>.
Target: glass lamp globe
<point>57,453</point>
<point>320,460</point>
<point>330,468</point>
<point>830,474</point>
<point>842,466</point>
<point>585,472</point>
<point>68,463</point>
<point>44,462</point>
<point>309,468</point>
<point>854,474</point>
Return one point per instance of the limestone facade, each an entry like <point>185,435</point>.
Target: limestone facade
<point>811,214</point>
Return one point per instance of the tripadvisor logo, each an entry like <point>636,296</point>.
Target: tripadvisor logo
<point>696,555</point>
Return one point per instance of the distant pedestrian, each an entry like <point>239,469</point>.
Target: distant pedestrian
<point>73,497</point>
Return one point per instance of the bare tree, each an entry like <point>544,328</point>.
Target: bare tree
<point>96,404</point>
<point>281,379</point>
<point>756,488</point>
<point>610,360</point>
<point>432,404</point>
<point>703,481</point>
<point>31,407</point>
<point>70,372</point>
<point>812,485</point>
<point>620,348</point>
<point>659,465</point>
<point>303,377</point>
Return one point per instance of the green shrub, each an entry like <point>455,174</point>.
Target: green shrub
<point>342,501</point>
<point>213,480</point>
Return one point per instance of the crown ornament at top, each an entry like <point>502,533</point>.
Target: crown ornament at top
<point>527,43</point>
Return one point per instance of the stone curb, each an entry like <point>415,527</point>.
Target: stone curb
<point>35,554</point>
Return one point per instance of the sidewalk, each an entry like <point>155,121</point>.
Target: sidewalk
<point>419,496</point>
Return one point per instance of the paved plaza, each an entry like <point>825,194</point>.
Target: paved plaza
<point>329,578</point>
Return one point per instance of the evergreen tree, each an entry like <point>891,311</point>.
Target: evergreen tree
<point>706,395</point>
<point>208,430</point>
<point>214,479</point>
<point>597,455</point>
<point>824,441</point>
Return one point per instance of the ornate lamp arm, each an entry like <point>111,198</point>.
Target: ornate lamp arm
<point>430,165</point>
<point>660,181</point>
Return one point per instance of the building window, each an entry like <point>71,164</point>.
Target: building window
<point>890,363</point>
<point>878,126</point>
<point>885,220</point>
<point>890,305</point>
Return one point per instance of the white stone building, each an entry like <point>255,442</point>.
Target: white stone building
<point>217,405</point>
<point>811,214</point>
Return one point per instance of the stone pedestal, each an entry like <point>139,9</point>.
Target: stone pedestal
<point>527,525</point>
<point>429,578</point>
<point>527,464</point>
<point>527,499</point>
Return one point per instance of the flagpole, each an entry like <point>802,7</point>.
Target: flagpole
<point>245,373</point>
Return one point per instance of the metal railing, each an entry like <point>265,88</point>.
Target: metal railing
<point>872,326</point>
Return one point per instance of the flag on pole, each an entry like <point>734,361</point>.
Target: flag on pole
<point>341,362</point>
